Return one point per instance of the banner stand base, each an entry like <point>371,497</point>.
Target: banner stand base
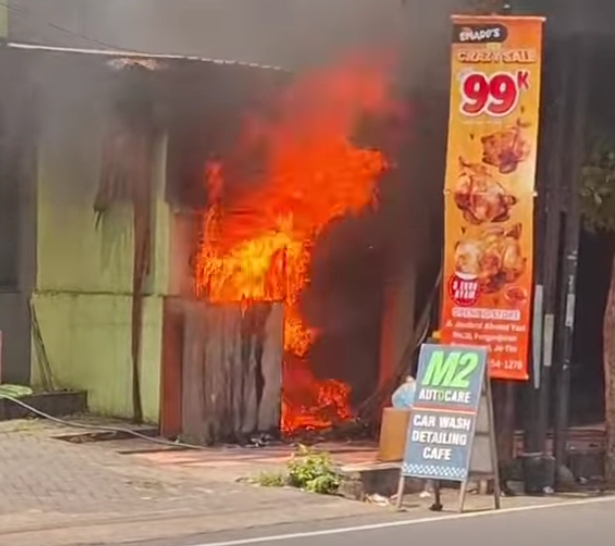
<point>437,502</point>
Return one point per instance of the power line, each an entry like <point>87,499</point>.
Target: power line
<point>114,49</point>
<point>27,14</point>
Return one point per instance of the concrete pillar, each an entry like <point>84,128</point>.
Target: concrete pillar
<point>397,320</point>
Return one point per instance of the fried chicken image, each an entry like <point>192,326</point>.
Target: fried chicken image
<point>492,256</point>
<point>480,197</point>
<point>507,148</point>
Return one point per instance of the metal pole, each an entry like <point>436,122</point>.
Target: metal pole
<point>532,443</point>
<point>553,205</point>
<point>571,250</point>
<point>547,242</point>
<point>553,130</point>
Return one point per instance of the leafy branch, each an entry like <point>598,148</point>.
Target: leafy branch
<point>598,185</point>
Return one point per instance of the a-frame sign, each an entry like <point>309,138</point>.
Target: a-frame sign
<point>450,433</point>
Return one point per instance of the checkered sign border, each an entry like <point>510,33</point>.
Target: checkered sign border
<point>432,471</point>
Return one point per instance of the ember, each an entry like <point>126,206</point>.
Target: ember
<point>256,242</point>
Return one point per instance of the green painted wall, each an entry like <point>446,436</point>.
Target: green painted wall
<point>84,271</point>
<point>4,20</point>
<point>87,342</point>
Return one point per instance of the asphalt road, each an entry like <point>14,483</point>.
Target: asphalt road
<point>579,524</point>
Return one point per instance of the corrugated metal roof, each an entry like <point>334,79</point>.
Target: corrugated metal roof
<point>119,54</point>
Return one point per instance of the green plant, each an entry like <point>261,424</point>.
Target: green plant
<point>598,186</point>
<point>312,471</point>
<point>271,479</point>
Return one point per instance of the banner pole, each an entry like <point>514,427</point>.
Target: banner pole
<point>497,494</point>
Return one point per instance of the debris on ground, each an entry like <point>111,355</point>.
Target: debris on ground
<point>378,500</point>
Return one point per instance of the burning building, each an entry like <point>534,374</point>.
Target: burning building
<point>224,237</point>
<point>257,245</point>
<point>303,164</point>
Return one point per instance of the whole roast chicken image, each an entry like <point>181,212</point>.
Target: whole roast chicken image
<point>481,197</point>
<point>492,256</point>
<point>507,148</point>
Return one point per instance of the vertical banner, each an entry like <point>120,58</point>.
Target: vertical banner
<point>489,188</point>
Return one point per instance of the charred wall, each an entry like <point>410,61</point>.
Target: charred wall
<point>206,106</point>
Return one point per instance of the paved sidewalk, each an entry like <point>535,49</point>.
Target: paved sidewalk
<point>56,493</point>
<point>53,490</point>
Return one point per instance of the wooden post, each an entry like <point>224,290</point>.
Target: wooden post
<point>462,494</point>
<point>437,497</point>
<point>494,453</point>
<point>401,487</point>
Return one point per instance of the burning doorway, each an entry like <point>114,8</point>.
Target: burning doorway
<point>295,173</point>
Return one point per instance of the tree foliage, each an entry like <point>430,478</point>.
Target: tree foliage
<point>598,185</point>
<point>598,209</point>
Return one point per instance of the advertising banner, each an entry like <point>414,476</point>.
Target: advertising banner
<point>443,420</point>
<point>489,188</point>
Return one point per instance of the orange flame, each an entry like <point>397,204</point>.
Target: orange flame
<point>257,245</point>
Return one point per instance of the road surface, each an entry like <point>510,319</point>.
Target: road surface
<point>583,523</point>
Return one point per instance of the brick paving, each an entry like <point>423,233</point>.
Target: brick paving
<point>48,485</point>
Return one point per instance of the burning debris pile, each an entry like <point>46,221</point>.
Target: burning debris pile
<point>258,233</point>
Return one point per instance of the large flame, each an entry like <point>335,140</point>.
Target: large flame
<point>257,245</point>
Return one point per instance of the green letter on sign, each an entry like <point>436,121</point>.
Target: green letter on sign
<point>440,373</point>
<point>467,364</point>
<point>454,372</point>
